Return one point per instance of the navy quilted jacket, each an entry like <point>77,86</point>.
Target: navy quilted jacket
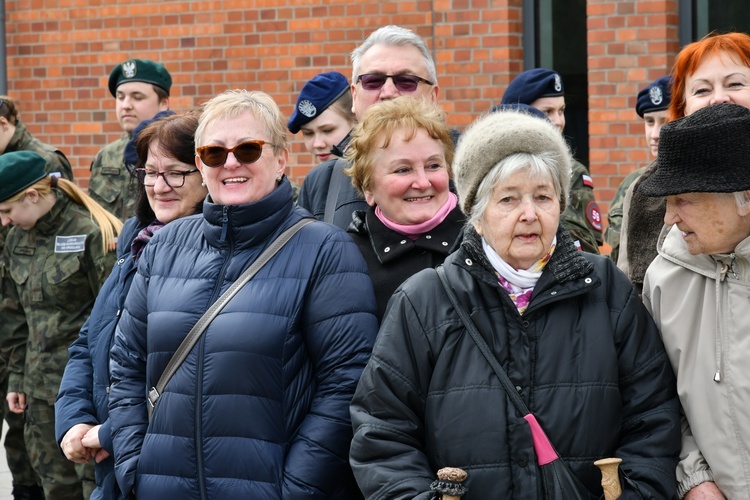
<point>259,409</point>
<point>83,397</point>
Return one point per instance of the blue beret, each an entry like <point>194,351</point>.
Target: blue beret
<point>655,97</point>
<point>19,170</point>
<point>519,108</point>
<point>139,70</point>
<point>532,85</point>
<point>317,94</point>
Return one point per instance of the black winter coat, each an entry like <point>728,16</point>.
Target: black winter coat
<point>392,257</point>
<point>586,358</point>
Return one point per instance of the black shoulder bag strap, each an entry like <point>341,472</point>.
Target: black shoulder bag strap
<point>334,187</point>
<point>482,345</point>
<point>195,333</point>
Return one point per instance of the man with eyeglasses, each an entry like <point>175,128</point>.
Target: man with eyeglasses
<point>141,91</point>
<point>392,61</point>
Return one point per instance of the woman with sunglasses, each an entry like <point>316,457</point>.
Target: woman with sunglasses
<point>260,406</point>
<point>400,157</point>
<point>55,260</point>
<point>171,189</point>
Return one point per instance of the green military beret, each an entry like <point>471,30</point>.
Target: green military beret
<point>19,170</point>
<point>139,70</point>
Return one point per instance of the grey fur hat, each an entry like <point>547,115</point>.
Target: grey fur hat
<point>494,137</point>
<point>705,152</point>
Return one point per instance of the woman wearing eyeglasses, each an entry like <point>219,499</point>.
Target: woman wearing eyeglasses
<point>260,406</point>
<point>171,189</point>
<point>55,260</point>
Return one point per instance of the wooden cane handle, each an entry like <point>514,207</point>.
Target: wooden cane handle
<point>452,476</point>
<point>610,477</point>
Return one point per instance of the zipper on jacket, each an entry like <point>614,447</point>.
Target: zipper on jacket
<point>224,222</point>
<point>225,236</point>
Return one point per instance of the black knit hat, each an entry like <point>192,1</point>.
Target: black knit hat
<point>706,152</point>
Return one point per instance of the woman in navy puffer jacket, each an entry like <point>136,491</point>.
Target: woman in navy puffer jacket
<point>259,409</point>
<point>82,425</point>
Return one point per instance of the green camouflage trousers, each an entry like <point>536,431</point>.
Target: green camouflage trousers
<point>15,447</point>
<point>61,479</point>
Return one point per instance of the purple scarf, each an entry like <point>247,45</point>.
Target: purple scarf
<point>144,236</point>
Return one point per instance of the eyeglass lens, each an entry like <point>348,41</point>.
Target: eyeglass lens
<point>173,178</point>
<point>404,83</point>
<point>245,152</point>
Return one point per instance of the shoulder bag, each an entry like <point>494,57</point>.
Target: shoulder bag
<point>558,480</point>
<point>195,333</point>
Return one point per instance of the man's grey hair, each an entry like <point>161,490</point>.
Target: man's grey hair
<point>394,36</point>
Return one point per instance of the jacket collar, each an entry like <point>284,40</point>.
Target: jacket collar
<point>567,264</point>
<point>50,222</point>
<point>390,245</point>
<point>21,138</point>
<point>672,247</point>
<point>248,225</point>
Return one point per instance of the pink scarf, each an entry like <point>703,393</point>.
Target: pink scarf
<point>414,231</point>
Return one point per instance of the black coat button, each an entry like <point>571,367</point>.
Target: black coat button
<point>522,462</point>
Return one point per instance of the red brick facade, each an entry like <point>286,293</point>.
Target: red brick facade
<point>60,55</point>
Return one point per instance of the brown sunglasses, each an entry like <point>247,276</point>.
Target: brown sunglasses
<point>245,152</point>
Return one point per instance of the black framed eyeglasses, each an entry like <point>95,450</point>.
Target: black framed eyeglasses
<point>173,178</point>
<point>245,152</point>
<point>404,83</point>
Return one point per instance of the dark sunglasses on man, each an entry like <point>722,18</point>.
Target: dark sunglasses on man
<point>245,152</point>
<point>404,83</point>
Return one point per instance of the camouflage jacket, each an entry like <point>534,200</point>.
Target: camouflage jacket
<point>53,274</point>
<point>615,214</point>
<point>111,184</point>
<point>56,159</point>
<point>582,217</point>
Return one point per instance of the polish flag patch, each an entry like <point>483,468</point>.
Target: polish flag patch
<point>588,181</point>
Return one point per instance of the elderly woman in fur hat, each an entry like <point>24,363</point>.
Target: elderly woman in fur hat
<point>697,289</point>
<point>566,327</point>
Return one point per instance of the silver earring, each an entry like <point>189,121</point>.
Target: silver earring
<point>203,184</point>
<point>278,179</point>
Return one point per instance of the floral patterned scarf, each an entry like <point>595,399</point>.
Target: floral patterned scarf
<point>519,283</point>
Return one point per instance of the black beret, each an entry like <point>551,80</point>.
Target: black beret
<point>139,70</point>
<point>532,85</point>
<point>317,94</point>
<point>19,170</point>
<point>705,152</point>
<point>655,97</point>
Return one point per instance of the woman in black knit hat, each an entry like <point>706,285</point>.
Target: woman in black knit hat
<point>697,289</point>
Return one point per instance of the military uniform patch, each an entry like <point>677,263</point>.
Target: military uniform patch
<point>594,215</point>
<point>558,83</point>
<point>70,244</point>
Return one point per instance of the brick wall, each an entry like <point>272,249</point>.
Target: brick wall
<point>60,55</point>
<point>631,43</point>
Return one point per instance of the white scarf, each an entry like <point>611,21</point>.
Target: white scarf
<point>521,280</point>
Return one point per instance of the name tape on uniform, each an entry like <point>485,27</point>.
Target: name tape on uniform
<point>70,244</point>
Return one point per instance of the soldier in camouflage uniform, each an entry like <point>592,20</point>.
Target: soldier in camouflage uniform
<point>15,137</point>
<point>543,89</point>
<point>55,259</point>
<point>651,105</point>
<point>141,90</point>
